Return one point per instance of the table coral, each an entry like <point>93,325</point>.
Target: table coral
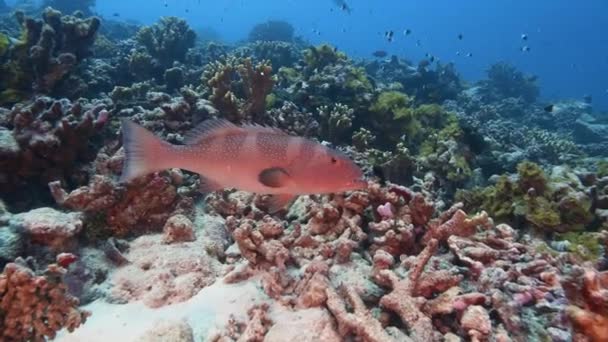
<point>34,307</point>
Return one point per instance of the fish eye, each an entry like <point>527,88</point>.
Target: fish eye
<point>333,160</point>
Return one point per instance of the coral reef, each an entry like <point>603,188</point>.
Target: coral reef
<point>555,203</point>
<point>47,140</point>
<point>167,41</point>
<point>35,306</point>
<point>244,101</point>
<point>505,81</point>
<point>70,7</point>
<point>484,219</point>
<point>272,30</point>
<point>587,290</point>
<point>47,52</point>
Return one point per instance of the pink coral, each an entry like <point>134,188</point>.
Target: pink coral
<point>34,307</point>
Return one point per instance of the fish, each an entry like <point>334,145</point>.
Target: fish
<point>407,32</point>
<point>460,36</point>
<point>389,35</point>
<point>525,48</point>
<point>249,157</point>
<point>343,5</point>
<point>524,36</point>
<point>548,108</point>
<point>380,54</point>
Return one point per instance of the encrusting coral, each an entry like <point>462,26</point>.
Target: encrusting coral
<point>35,307</point>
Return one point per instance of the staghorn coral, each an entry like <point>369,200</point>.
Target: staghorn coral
<point>35,307</point>
<point>360,321</point>
<point>47,52</point>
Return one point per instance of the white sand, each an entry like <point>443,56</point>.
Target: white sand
<point>205,312</point>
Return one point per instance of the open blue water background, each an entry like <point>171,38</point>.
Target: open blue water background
<point>568,39</point>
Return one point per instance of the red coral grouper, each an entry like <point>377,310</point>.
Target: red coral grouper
<point>250,157</point>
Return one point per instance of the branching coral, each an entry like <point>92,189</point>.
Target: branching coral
<point>168,40</point>
<point>35,307</point>
<point>144,205</point>
<point>360,322</point>
<point>506,81</point>
<point>48,51</point>
<point>336,122</point>
<point>242,100</point>
<point>50,141</point>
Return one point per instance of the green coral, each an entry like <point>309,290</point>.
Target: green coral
<point>531,176</point>
<point>533,197</point>
<point>4,44</point>
<point>602,168</point>
<point>583,244</point>
<point>357,81</point>
<point>390,102</point>
<point>271,100</point>
<point>318,57</point>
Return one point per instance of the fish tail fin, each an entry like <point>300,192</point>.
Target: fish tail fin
<point>144,152</point>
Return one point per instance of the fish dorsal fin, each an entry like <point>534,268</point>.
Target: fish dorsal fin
<point>252,127</point>
<point>223,126</point>
<point>208,127</point>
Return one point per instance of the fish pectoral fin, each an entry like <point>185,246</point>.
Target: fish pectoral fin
<point>207,185</point>
<point>278,202</point>
<point>274,177</point>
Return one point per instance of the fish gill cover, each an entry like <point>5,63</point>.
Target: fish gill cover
<point>483,138</point>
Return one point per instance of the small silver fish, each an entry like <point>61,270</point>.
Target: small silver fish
<point>252,158</point>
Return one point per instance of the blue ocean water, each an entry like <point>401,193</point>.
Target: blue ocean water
<point>567,39</point>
